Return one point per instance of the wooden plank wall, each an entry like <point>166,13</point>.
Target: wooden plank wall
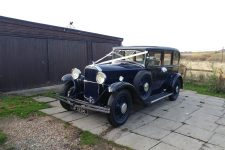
<point>33,55</point>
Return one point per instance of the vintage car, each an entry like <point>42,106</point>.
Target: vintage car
<point>113,83</point>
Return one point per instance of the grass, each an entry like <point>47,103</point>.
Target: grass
<point>203,56</point>
<point>87,138</point>
<point>20,106</point>
<point>202,89</point>
<point>3,137</point>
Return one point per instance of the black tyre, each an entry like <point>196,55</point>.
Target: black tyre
<point>142,83</point>
<point>120,104</point>
<point>67,91</point>
<point>175,90</point>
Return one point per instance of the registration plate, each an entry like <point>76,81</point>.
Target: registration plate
<point>80,110</point>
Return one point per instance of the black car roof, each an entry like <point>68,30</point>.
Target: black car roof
<point>147,48</point>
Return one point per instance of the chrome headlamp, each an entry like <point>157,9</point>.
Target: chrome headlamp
<point>75,73</point>
<point>100,78</point>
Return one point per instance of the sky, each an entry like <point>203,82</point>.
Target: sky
<point>189,25</point>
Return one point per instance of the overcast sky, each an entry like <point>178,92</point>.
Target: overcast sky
<point>189,25</point>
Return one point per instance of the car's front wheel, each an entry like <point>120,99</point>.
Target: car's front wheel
<point>120,104</point>
<point>175,90</point>
<point>67,91</point>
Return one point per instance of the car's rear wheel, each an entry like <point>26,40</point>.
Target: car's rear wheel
<point>67,91</point>
<point>175,90</point>
<point>120,104</point>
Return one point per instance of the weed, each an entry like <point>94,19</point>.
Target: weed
<point>3,137</point>
<point>87,138</point>
<point>66,125</point>
<point>216,84</point>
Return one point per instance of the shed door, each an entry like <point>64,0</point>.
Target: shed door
<point>65,55</point>
<point>23,62</point>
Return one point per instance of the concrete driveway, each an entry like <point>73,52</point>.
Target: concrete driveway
<point>192,122</point>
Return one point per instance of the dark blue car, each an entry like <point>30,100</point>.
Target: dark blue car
<point>111,84</point>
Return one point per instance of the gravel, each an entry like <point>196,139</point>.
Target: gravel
<point>46,133</point>
<point>40,133</point>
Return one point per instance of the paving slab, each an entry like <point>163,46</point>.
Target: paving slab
<point>90,122</point>
<point>201,123</point>
<point>195,132</point>
<point>219,111</point>
<point>220,130</point>
<point>155,109</point>
<point>115,134</point>
<point>221,121</point>
<point>214,101</point>
<point>158,126</point>
<point>55,104</point>
<point>152,132</point>
<point>187,92</point>
<point>195,96</point>
<point>196,102</point>
<point>182,142</point>
<point>199,115</point>
<point>164,146</point>
<point>218,139</point>
<point>44,99</point>
<point>208,146</point>
<point>101,129</point>
<point>53,110</point>
<point>213,106</point>
<point>136,120</point>
<point>187,107</point>
<point>179,114</point>
<point>69,116</point>
<point>170,105</point>
<point>137,142</point>
<point>166,124</point>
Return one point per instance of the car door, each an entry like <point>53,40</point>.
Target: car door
<point>153,64</point>
<point>167,66</point>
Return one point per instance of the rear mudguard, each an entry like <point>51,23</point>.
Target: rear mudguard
<point>173,80</point>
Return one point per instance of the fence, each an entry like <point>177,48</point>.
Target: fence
<point>202,73</point>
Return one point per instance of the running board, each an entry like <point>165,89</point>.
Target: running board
<point>159,97</point>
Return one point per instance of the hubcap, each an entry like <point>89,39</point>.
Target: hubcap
<point>177,89</point>
<point>146,87</point>
<point>123,108</point>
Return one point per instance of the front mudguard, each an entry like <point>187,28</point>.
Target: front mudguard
<point>115,87</point>
<point>67,78</point>
<point>78,83</point>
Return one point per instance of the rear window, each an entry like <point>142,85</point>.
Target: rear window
<point>175,58</point>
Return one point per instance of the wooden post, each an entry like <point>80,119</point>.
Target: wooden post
<point>185,72</point>
<point>222,54</point>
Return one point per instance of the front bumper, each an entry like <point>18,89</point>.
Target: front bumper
<point>83,104</point>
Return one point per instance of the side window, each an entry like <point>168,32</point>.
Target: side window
<point>167,58</point>
<point>175,58</point>
<point>153,59</point>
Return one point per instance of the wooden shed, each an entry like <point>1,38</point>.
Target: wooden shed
<point>34,54</point>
